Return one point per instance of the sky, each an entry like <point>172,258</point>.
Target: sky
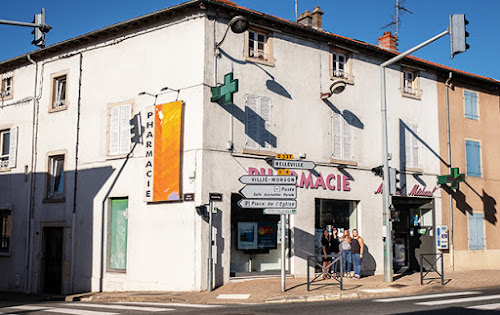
<point>358,19</point>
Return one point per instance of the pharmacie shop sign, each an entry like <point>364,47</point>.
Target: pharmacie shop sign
<point>305,179</point>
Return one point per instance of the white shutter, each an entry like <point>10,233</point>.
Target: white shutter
<point>415,148</point>
<point>347,138</point>
<point>336,136</point>
<point>251,123</point>
<point>13,147</point>
<point>125,137</point>
<point>114,131</point>
<point>408,144</point>
<point>265,126</point>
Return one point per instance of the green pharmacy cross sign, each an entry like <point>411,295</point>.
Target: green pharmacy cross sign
<point>454,178</point>
<point>226,90</point>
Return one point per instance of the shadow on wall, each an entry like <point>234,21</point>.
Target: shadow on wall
<point>489,203</point>
<point>348,116</point>
<point>15,187</point>
<point>220,247</point>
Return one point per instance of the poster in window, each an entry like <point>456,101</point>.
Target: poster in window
<point>247,235</point>
<point>268,235</point>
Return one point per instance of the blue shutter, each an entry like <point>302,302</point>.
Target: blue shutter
<point>468,105</point>
<point>470,100</point>
<point>476,231</point>
<point>473,157</point>
<point>473,102</point>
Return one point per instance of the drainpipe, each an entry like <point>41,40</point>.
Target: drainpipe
<point>452,249</point>
<point>28,245</point>
<point>75,185</point>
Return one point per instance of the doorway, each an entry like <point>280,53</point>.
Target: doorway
<point>51,263</point>
<point>413,232</point>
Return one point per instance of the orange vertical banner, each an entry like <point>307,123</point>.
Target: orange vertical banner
<point>167,151</point>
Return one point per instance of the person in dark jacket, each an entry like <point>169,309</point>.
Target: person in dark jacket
<point>325,251</point>
<point>357,248</point>
<point>335,249</point>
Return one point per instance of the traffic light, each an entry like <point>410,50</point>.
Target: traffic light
<point>39,35</point>
<point>458,34</point>
<point>378,171</point>
<point>203,212</point>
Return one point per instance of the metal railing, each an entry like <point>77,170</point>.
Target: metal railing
<point>433,267</point>
<point>335,264</point>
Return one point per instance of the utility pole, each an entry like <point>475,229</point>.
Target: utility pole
<point>458,44</point>
<point>40,28</point>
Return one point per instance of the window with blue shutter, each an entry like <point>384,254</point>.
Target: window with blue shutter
<point>473,156</point>
<point>476,231</point>
<point>470,100</point>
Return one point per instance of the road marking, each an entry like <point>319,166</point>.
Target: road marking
<point>234,296</point>
<point>59,310</point>
<point>382,290</point>
<point>123,307</point>
<point>462,300</point>
<point>486,307</point>
<point>427,296</point>
<point>171,304</point>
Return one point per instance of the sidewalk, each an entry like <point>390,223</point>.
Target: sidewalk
<point>269,290</point>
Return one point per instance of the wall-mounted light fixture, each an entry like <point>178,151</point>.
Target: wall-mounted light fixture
<point>337,87</point>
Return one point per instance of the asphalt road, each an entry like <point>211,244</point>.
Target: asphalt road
<point>485,301</point>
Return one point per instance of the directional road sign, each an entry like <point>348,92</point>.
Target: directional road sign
<point>267,204</point>
<point>268,179</point>
<point>269,191</point>
<point>296,165</point>
<point>279,211</point>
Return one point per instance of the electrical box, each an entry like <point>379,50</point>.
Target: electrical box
<point>442,237</point>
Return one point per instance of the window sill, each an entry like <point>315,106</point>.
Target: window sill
<point>5,169</point>
<point>54,200</point>
<point>7,98</point>
<point>118,156</point>
<point>5,254</point>
<point>116,271</point>
<point>476,176</point>
<point>472,118</point>
<point>416,96</point>
<point>261,61</point>
<point>259,152</point>
<point>58,109</point>
<point>347,80</point>
<point>344,162</point>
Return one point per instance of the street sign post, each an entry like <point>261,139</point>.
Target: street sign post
<point>269,191</point>
<point>267,204</point>
<point>292,164</point>
<point>268,179</point>
<point>279,211</point>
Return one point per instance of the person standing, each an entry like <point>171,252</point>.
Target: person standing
<point>357,248</point>
<point>335,249</point>
<point>345,246</point>
<point>325,250</point>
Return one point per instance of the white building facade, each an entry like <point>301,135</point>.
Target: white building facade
<point>74,199</point>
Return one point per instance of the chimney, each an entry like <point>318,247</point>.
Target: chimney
<point>305,19</point>
<point>388,41</point>
<point>316,18</point>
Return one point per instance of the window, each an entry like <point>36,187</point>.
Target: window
<point>410,85</point>
<point>473,156</point>
<point>411,145</point>
<point>342,148</point>
<point>55,182</point>
<point>6,85</point>
<point>59,91</point>
<point>5,226</point>
<point>258,123</point>
<point>470,102</point>
<point>476,231</point>
<point>119,139</point>
<point>339,65</point>
<point>117,258</point>
<point>8,147</point>
<point>258,47</point>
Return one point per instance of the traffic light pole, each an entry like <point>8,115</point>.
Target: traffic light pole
<point>40,28</point>
<point>387,223</point>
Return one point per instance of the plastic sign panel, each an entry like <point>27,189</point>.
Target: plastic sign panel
<point>268,179</point>
<point>269,204</point>
<point>442,236</point>
<point>269,191</point>
<point>279,211</point>
<point>296,165</point>
<point>284,156</point>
